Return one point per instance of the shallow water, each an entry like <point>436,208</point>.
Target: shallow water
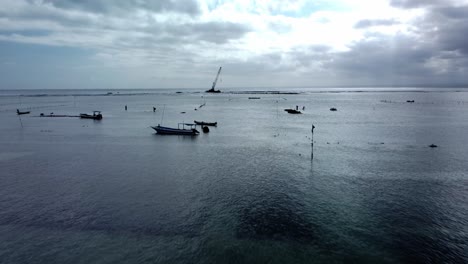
<point>113,191</point>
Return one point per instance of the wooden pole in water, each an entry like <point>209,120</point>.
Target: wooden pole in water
<point>312,143</point>
<point>162,116</point>
<point>21,122</point>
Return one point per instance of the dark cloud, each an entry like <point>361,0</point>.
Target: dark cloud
<point>452,12</point>
<point>189,7</point>
<point>385,58</point>
<point>408,4</point>
<point>365,23</point>
<point>446,27</point>
<point>399,60</point>
<point>124,31</point>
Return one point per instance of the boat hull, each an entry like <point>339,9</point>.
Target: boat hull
<point>95,117</point>
<point>292,111</point>
<point>175,131</point>
<point>212,91</point>
<point>201,123</point>
<point>22,113</point>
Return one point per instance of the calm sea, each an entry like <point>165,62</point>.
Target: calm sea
<point>112,191</point>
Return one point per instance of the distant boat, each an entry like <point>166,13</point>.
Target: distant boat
<point>254,97</point>
<point>292,111</point>
<point>22,113</point>
<point>96,115</point>
<point>176,131</point>
<point>54,115</point>
<point>202,123</point>
<point>333,109</point>
<point>212,90</point>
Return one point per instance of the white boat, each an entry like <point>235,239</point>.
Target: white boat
<point>176,131</point>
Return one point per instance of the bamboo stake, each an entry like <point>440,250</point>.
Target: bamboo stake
<point>312,143</point>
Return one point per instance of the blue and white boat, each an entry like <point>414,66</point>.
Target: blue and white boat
<point>176,131</point>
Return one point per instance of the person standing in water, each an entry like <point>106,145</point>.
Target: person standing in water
<point>125,107</point>
<point>154,109</point>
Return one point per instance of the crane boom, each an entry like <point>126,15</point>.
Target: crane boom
<point>216,79</point>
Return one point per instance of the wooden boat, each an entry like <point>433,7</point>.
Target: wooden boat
<point>292,111</point>
<point>212,90</point>
<point>202,123</point>
<point>22,113</point>
<point>176,131</point>
<point>96,115</point>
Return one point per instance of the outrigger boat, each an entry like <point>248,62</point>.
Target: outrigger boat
<point>176,131</point>
<point>96,115</point>
<point>22,113</point>
<point>202,123</point>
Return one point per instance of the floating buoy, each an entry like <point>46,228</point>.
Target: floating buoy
<point>205,129</point>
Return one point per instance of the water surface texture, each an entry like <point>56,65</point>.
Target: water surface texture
<point>112,191</point>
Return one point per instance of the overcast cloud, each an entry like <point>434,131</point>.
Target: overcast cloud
<point>169,43</point>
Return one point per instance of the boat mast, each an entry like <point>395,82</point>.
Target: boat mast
<point>216,79</point>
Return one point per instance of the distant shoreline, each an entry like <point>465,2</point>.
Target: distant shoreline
<point>139,92</point>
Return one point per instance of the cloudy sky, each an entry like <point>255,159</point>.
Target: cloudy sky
<point>259,43</point>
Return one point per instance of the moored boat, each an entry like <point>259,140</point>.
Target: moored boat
<point>292,111</point>
<point>22,113</point>
<point>202,123</point>
<point>96,115</point>
<point>175,131</point>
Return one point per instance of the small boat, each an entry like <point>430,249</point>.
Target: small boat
<point>96,115</point>
<point>176,131</point>
<point>202,123</point>
<point>212,90</point>
<point>253,97</point>
<point>22,113</point>
<point>54,115</point>
<point>410,101</point>
<point>292,111</point>
<point>333,109</point>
